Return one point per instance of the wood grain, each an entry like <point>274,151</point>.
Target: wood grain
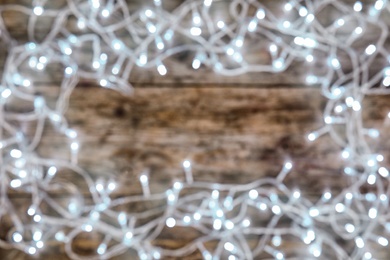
<point>233,129</point>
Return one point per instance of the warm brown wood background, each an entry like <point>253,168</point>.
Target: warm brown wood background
<point>234,130</point>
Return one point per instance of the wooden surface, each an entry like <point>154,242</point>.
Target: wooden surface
<point>234,130</point>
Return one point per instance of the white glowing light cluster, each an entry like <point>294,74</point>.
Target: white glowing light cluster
<point>240,221</point>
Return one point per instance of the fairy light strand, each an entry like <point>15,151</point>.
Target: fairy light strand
<point>295,36</point>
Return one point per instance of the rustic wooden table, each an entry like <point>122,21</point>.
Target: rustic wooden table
<point>233,129</point>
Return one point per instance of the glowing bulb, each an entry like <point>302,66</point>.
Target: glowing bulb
<point>26,82</point>
<point>103,82</point>
<point>278,64</point>
<point>260,14</point>
<point>358,30</point>
<point>311,79</point>
<point>160,45</point>
<point>68,70</point>
<point>117,44</point>
<point>105,13</point>
<point>32,250</point>
<point>71,133</point>
<point>383,241</point>
<point>128,235</point>
<point>228,246</point>
<point>87,228</point>
<point>31,211</point>
<point>273,48</point>
<point>378,5</point>
<point>286,24</point>
<point>230,51</point>
<point>220,24</point>
<point>262,206</point>
<point>95,4</point>
<point>197,216</point>
<point>170,222</point>
<point>68,51</point>
<point>162,69</point>
<point>239,42</point>
<point>371,162</point>
<point>37,218</point>
<point>196,19</point>
<point>339,207</point>
<point>253,194</point>
<point>17,237</point>
<point>196,31</point>
<point>276,210</point>
<point>383,172</point>
<point>279,256</point>
<point>74,146</point>
<point>357,6</point>
<point>37,235</point>
<point>302,11</point>
<point>340,22</point>
<point>143,179</point>
<point>328,120</point>
<point>349,227</point>
<point>327,195</point>
<point>335,63</point>
<point>38,10</point>
<point>16,183</point>
<point>370,49</point>
<point>151,27</point>
<point>338,109</point>
<point>309,58</point>
<point>276,241</point>
<point>386,81</point>
<point>229,224</point>
<point>207,2</point>
<point>345,154</point>
<point>15,153</point>
<point>296,194</point>
<point>312,136</point>
<point>148,13</point>
<point>217,224</point>
<point>81,23</point>
<point>40,66</point>
<point>356,106</point>
<point>59,236</point>
<point>170,196</point>
<point>314,212</point>
<point>288,7</point>
<point>372,213</point>
<point>252,25</point>
<point>186,219</point>
<point>6,93</point>
<point>196,64</point>
<point>359,242</point>
<point>96,64</point>
<point>101,249</point>
<point>246,223</point>
<point>288,165</point>
<point>349,101</point>
<point>186,164</point>
<point>309,18</point>
<point>348,196</point>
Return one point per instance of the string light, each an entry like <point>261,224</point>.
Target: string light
<point>222,47</point>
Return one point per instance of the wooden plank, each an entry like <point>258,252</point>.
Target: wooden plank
<point>230,134</point>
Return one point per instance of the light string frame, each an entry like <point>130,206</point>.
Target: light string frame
<point>119,41</point>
